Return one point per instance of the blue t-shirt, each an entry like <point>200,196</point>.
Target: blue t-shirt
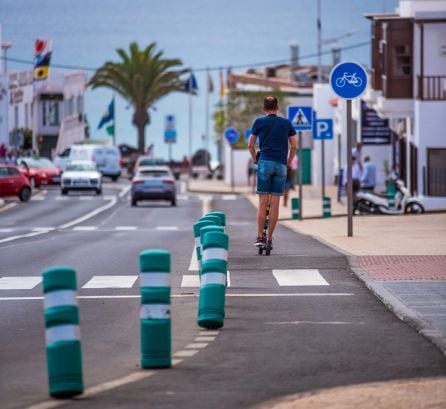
<point>275,147</point>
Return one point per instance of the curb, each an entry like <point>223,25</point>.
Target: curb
<point>393,303</point>
<point>213,192</point>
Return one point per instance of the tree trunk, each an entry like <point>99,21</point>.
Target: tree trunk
<point>141,138</point>
<point>140,120</point>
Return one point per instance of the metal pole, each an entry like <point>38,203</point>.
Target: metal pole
<point>114,121</point>
<point>300,175</point>
<point>319,43</point>
<point>207,110</point>
<point>190,132</point>
<point>232,168</point>
<point>323,169</point>
<point>170,152</point>
<point>349,170</point>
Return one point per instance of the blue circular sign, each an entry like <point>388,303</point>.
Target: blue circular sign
<point>348,80</point>
<point>232,135</point>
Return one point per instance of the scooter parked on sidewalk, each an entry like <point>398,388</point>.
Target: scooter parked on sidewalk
<point>370,203</point>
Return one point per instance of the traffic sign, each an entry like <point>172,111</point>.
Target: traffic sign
<point>232,135</point>
<point>301,117</point>
<point>247,135</point>
<point>170,134</point>
<point>348,80</point>
<point>323,129</point>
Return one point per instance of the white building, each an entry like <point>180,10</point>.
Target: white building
<point>408,86</point>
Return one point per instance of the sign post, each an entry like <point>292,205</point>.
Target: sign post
<point>232,136</point>
<point>323,130</point>
<point>170,134</point>
<point>348,80</point>
<point>301,117</point>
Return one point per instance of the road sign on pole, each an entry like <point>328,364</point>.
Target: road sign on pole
<point>349,80</point>
<point>301,117</point>
<point>323,129</point>
<point>170,134</point>
<point>232,135</point>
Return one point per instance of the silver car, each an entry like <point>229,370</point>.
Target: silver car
<point>153,183</point>
<point>81,175</point>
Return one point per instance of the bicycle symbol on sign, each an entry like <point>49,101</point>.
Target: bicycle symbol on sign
<point>351,79</point>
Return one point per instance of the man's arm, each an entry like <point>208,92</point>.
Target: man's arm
<point>293,147</point>
<point>251,147</point>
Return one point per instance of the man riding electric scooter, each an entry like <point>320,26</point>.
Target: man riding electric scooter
<point>278,145</point>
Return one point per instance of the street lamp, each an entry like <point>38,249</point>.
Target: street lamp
<point>5,46</point>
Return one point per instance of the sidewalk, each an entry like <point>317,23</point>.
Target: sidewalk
<point>401,259</point>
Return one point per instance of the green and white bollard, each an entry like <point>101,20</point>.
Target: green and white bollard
<point>391,198</point>
<point>221,215</point>
<point>212,218</point>
<point>156,333</point>
<point>197,227</point>
<point>62,334</point>
<point>203,231</point>
<point>326,207</point>
<point>211,305</point>
<point>295,214</point>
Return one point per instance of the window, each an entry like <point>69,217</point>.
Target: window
<point>53,114</point>
<point>44,121</point>
<point>13,172</point>
<point>401,61</point>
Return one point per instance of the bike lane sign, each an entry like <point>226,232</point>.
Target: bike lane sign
<point>348,80</point>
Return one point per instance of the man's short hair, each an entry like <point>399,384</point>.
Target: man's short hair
<point>270,103</point>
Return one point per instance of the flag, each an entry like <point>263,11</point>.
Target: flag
<point>210,84</point>
<point>42,58</point>
<point>109,115</point>
<point>223,90</point>
<point>190,85</point>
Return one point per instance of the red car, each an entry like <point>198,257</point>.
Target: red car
<point>14,183</point>
<point>40,171</point>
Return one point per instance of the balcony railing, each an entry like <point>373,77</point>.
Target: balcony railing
<point>432,87</point>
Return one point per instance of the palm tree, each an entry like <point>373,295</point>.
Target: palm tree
<point>141,77</point>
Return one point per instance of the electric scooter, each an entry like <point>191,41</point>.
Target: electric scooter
<point>369,203</point>
<point>266,246</point>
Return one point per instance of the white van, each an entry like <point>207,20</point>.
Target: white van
<point>107,158</point>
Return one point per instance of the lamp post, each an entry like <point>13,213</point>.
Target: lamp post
<point>4,90</point>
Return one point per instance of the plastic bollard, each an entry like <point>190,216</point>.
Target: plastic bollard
<point>156,332</point>
<point>212,218</point>
<point>221,215</point>
<point>211,305</point>
<point>203,231</point>
<point>197,238</point>
<point>62,334</point>
<point>326,207</point>
<point>391,198</point>
<point>295,214</point>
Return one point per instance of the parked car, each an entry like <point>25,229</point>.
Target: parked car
<point>81,175</point>
<point>200,165</point>
<point>153,183</point>
<point>106,158</point>
<point>14,183</point>
<point>39,171</point>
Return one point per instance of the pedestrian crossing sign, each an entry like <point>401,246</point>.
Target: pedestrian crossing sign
<point>301,117</point>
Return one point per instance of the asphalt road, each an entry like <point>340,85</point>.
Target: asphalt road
<point>277,339</point>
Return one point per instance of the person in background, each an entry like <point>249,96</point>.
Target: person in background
<point>2,153</point>
<point>356,177</point>
<point>368,175</point>
<point>10,158</point>
<point>357,155</point>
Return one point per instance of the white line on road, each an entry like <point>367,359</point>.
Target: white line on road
<point>229,197</point>
<point>204,339</point>
<point>85,228</point>
<point>185,353</point>
<point>314,323</point>
<point>62,198</point>
<point>8,206</point>
<point>190,281</point>
<point>304,277</point>
<point>86,198</point>
<point>193,266</point>
<point>182,197</point>
<point>124,191</point>
<point>108,197</point>
<point>228,278</point>
<point>89,215</point>
<point>167,228</point>
<point>12,238</point>
<point>19,283</point>
<point>43,229</point>
<point>197,345</point>
<point>6,230</point>
<point>126,228</point>
<point>205,333</point>
<point>37,198</point>
<point>111,282</point>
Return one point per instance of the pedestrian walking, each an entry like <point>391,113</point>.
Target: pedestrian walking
<point>357,155</point>
<point>275,135</point>
<point>368,175</point>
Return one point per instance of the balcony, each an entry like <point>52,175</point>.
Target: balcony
<point>432,87</point>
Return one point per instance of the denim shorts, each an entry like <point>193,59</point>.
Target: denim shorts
<point>271,177</point>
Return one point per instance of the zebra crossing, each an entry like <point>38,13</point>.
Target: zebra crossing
<point>281,278</point>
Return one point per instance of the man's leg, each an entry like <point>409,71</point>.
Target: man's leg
<point>261,213</point>
<point>273,215</point>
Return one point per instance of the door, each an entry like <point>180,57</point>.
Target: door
<point>413,169</point>
<point>436,172</point>
<point>15,181</point>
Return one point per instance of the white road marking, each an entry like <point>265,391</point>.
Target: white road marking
<point>89,215</point>
<point>12,238</point>
<point>315,323</point>
<point>167,228</point>
<point>124,191</point>
<point>304,277</point>
<point>111,282</point>
<point>229,197</point>
<point>190,281</point>
<point>125,228</point>
<point>204,339</point>
<point>197,345</point>
<point>182,197</point>
<point>108,197</point>
<point>205,333</point>
<point>131,296</point>
<point>183,187</point>
<point>37,198</point>
<point>43,229</point>
<point>6,230</point>
<point>62,198</point>
<point>206,203</point>
<point>228,278</point>
<point>185,354</point>
<point>86,198</point>
<point>19,283</point>
<point>85,228</point>
<point>236,223</point>
<point>8,206</point>
<point>193,266</point>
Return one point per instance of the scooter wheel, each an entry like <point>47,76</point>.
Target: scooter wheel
<point>268,250</point>
<point>260,251</point>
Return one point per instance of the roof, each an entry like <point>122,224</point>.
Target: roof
<point>383,16</point>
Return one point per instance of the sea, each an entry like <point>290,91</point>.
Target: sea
<point>214,34</point>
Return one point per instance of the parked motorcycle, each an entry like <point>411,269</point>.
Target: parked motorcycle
<point>370,203</point>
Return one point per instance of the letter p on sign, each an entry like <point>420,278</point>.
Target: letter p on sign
<point>323,129</point>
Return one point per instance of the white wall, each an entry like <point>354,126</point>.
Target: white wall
<point>241,158</point>
<point>434,40</point>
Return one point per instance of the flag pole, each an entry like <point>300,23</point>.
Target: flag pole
<point>207,110</point>
<point>114,121</point>
<point>190,128</point>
